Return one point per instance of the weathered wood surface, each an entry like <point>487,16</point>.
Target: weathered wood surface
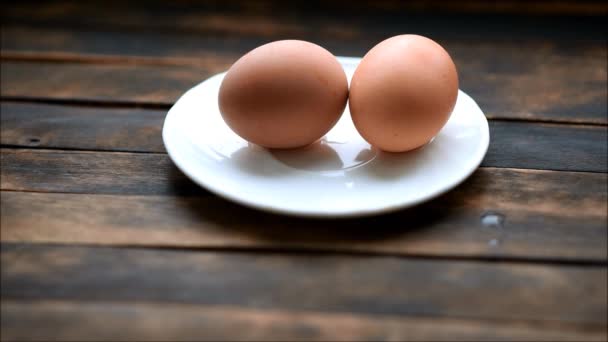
<point>102,172</point>
<point>321,282</point>
<point>81,127</point>
<point>92,172</point>
<point>97,225</point>
<point>343,19</point>
<point>538,68</point>
<point>517,85</point>
<point>532,215</point>
<point>140,321</point>
<point>513,144</point>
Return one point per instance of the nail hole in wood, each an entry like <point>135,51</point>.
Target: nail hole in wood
<point>33,141</point>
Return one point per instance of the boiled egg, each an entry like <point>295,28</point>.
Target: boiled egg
<point>284,94</point>
<point>403,92</point>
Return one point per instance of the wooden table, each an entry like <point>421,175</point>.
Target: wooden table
<point>104,239</point>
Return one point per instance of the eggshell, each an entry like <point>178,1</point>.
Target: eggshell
<point>284,94</point>
<point>403,93</point>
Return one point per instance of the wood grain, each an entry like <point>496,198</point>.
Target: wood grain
<point>335,18</point>
<point>522,67</point>
<point>548,147</point>
<point>136,321</point>
<point>535,81</point>
<point>513,144</point>
<point>123,84</point>
<point>190,47</point>
<point>110,241</point>
<point>531,215</point>
<point>328,283</point>
<point>92,172</point>
<point>81,127</point>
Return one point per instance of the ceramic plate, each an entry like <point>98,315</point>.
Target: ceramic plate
<point>341,175</point>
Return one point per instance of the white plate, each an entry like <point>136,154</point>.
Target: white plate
<point>339,176</point>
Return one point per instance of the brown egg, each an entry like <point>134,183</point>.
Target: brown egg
<point>284,94</point>
<point>403,93</point>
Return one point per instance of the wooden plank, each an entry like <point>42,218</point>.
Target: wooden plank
<point>498,213</point>
<point>327,17</point>
<point>518,145</point>
<point>328,283</point>
<point>514,144</point>
<point>547,146</point>
<point>162,48</point>
<point>82,321</point>
<point>92,172</point>
<point>529,81</point>
<point>81,127</point>
<point>132,84</point>
<point>190,47</point>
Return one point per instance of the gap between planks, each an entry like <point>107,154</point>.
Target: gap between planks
<point>545,211</point>
<point>500,85</point>
<point>74,149</point>
<point>83,58</point>
<point>476,290</point>
<point>89,103</point>
<point>319,251</point>
<point>111,104</point>
<point>19,149</point>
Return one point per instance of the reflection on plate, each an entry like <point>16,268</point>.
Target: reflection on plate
<point>340,175</point>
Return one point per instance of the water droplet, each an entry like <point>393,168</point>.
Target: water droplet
<point>493,219</point>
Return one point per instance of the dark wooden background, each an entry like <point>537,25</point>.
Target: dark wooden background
<point>104,239</point>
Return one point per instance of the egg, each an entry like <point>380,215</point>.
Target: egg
<point>403,92</point>
<point>284,94</point>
